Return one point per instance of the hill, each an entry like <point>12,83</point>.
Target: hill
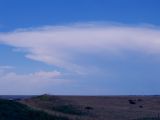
<point>11,110</point>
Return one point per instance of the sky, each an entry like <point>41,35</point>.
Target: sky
<point>79,47</point>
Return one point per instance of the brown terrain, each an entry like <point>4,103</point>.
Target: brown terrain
<point>98,107</point>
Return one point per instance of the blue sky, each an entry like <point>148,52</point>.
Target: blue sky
<point>82,47</point>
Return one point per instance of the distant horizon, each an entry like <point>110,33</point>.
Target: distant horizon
<point>81,95</point>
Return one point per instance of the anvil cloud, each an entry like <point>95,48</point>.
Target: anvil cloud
<point>59,45</point>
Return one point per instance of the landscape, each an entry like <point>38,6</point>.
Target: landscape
<point>79,60</point>
<point>50,107</point>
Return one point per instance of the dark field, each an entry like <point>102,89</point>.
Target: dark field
<point>89,107</point>
<point>11,110</point>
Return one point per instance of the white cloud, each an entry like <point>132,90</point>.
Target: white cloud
<point>6,67</point>
<point>43,74</point>
<point>36,77</point>
<point>59,45</point>
<point>32,83</point>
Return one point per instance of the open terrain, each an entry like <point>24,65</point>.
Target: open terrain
<point>81,108</point>
<point>98,108</point>
<point>11,110</point>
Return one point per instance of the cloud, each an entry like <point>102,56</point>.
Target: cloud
<point>60,45</point>
<point>43,74</point>
<point>31,83</point>
<point>6,67</point>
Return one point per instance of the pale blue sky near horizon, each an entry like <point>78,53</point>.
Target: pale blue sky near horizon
<point>132,70</point>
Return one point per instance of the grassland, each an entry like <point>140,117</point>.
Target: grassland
<point>47,107</point>
<point>99,108</point>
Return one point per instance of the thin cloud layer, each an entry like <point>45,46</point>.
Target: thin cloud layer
<point>12,82</point>
<point>60,45</point>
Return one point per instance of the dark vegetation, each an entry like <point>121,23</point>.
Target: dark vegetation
<point>56,104</point>
<point>89,108</point>
<point>132,101</point>
<point>141,106</point>
<point>68,109</point>
<point>11,110</point>
<point>149,118</point>
<point>135,101</point>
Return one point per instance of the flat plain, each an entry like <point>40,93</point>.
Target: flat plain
<point>98,107</point>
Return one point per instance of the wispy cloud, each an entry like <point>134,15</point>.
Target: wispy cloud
<point>60,45</point>
<point>31,83</point>
<point>6,67</point>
